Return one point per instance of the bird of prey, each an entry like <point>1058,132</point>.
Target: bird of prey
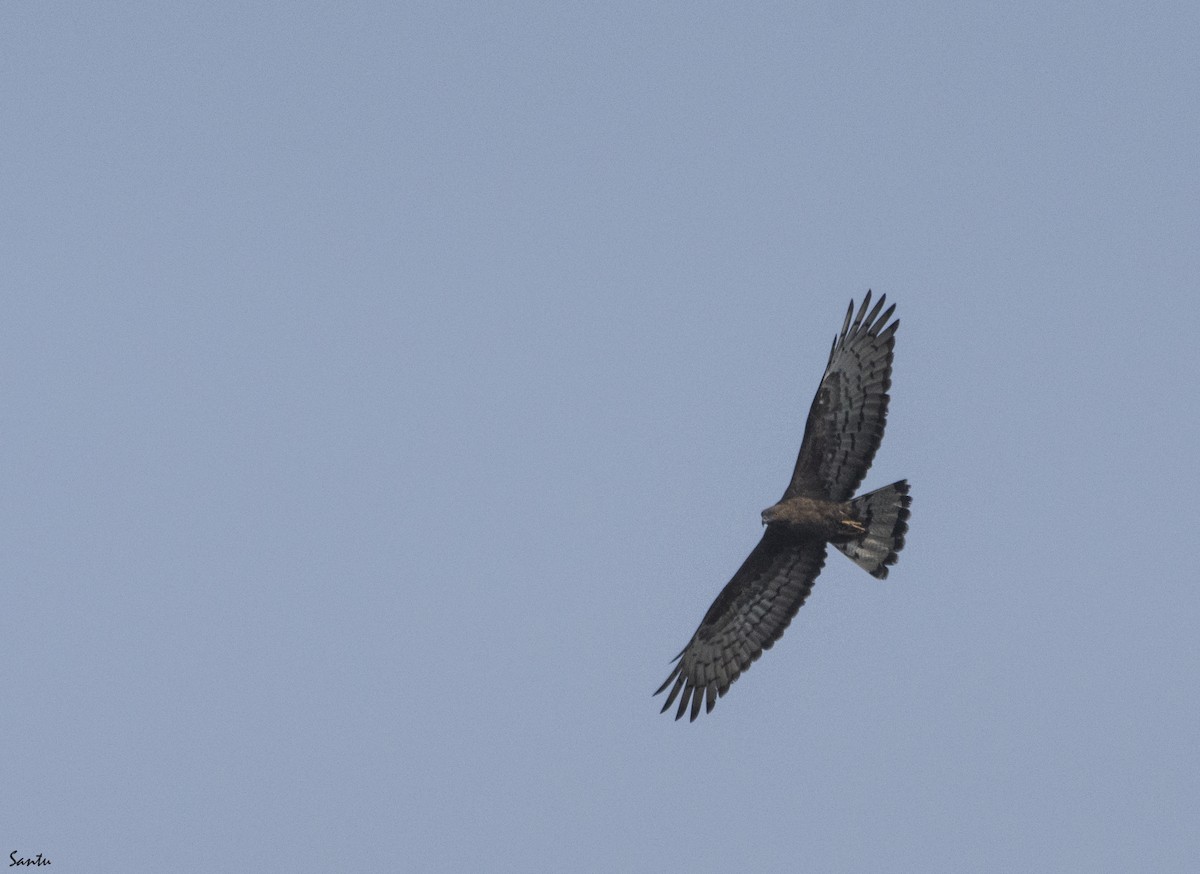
<point>844,429</point>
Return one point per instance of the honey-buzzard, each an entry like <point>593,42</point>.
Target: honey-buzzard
<point>844,429</point>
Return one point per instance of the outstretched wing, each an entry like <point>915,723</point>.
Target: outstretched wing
<point>845,423</point>
<point>748,616</point>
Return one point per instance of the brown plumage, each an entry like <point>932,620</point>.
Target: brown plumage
<point>844,429</point>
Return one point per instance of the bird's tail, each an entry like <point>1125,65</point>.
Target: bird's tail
<point>884,513</point>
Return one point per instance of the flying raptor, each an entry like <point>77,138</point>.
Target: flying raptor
<point>844,429</point>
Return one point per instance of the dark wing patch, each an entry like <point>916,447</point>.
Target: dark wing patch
<point>748,616</point>
<point>845,423</point>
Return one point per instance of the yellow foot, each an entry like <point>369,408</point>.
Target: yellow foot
<point>854,526</point>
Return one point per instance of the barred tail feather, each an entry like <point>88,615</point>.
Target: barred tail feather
<point>885,514</point>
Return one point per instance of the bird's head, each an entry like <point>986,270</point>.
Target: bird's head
<point>771,514</point>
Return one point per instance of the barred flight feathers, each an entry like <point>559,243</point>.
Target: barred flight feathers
<point>845,423</point>
<point>748,616</point>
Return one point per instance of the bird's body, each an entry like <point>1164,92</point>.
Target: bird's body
<point>813,517</point>
<point>843,431</point>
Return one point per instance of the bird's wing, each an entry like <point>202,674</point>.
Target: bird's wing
<point>845,423</point>
<point>748,616</point>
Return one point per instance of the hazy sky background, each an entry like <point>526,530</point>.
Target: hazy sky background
<point>388,389</point>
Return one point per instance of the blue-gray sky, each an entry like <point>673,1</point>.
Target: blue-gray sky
<point>388,389</point>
